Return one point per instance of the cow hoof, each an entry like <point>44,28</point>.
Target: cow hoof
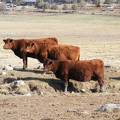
<point>66,93</point>
<point>24,68</point>
<point>102,90</point>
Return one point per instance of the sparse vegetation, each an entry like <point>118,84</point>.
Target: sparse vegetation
<point>2,7</point>
<point>54,7</point>
<point>74,7</point>
<point>65,7</point>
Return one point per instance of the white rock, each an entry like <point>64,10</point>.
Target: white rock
<point>17,83</point>
<point>28,94</point>
<point>109,107</point>
<point>8,67</point>
<point>20,87</point>
<point>40,66</point>
<point>4,73</point>
<point>83,90</point>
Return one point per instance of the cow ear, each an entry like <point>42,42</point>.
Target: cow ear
<point>4,40</point>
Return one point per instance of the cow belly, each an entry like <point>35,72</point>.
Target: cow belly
<point>78,76</point>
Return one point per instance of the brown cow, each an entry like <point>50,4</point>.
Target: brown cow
<point>54,52</point>
<point>83,70</point>
<point>18,46</point>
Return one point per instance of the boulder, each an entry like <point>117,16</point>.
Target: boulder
<point>20,87</point>
<point>109,107</point>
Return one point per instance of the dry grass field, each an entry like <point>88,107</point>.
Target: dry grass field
<point>98,37</point>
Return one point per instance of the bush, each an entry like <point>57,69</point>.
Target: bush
<point>82,3</point>
<point>46,6</point>
<point>43,5</point>
<point>108,1</point>
<point>2,6</point>
<point>54,7</point>
<point>74,7</point>
<point>65,7</point>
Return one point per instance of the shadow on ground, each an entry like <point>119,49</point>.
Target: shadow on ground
<point>30,70</point>
<point>56,84</point>
<point>116,78</point>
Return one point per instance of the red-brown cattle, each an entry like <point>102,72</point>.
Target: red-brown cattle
<point>18,47</point>
<point>54,52</point>
<point>84,70</point>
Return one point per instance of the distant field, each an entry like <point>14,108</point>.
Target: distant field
<point>98,36</point>
<point>68,27</point>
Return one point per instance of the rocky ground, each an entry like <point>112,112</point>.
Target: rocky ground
<point>33,95</point>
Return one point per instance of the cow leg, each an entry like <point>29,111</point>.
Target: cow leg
<point>101,83</point>
<point>66,86</point>
<point>24,63</point>
<point>66,80</point>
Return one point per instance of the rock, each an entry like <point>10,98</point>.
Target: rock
<point>28,94</point>
<point>40,66</point>
<point>4,89</point>
<point>8,67</point>
<point>18,83</point>
<point>109,108</point>
<point>4,73</point>
<point>16,87</point>
<point>20,87</point>
<point>22,90</point>
<point>83,90</point>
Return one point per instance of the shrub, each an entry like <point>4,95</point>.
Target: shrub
<point>54,7</point>
<point>43,5</point>
<point>74,7</point>
<point>65,7</point>
<point>2,6</point>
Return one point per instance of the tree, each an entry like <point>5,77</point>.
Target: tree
<point>54,7</point>
<point>2,6</point>
<point>74,7</point>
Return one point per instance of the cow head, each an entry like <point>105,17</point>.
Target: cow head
<point>48,65</point>
<point>30,47</point>
<point>9,43</point>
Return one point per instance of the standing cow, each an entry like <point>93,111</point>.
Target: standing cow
<point>18,47</point>
<point>83,70</point>
<point>44,51</point>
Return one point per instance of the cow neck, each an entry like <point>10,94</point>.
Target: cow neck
<point>43,47</point>
<point>37,50</point>
<point>17,46</point>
